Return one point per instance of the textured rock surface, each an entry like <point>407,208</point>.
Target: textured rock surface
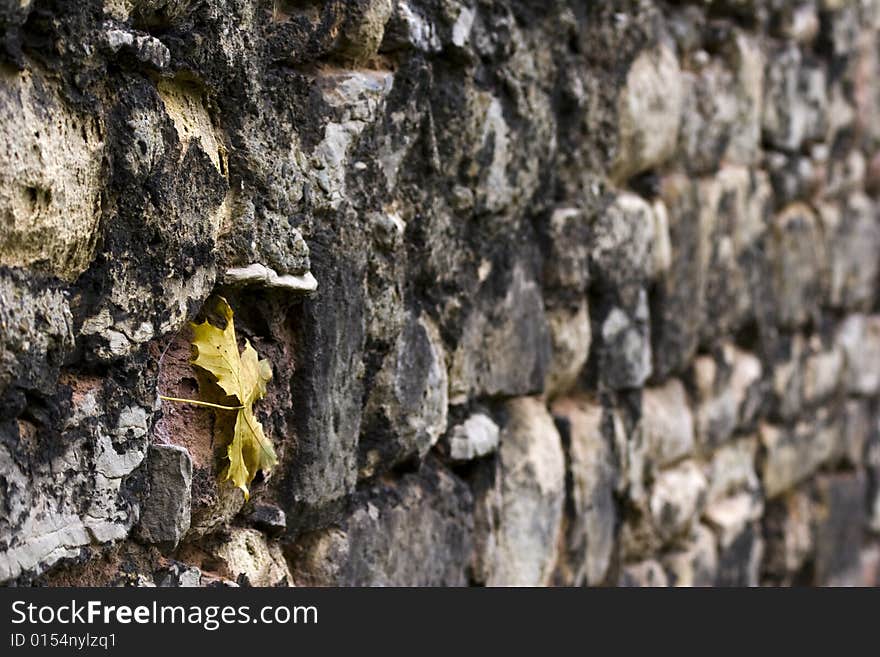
<point>532,493</point>
<point>553,293</point>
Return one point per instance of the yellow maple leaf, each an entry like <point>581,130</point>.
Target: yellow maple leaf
<point>240,375</point>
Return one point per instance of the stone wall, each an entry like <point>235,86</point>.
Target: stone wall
<point>554,292</point>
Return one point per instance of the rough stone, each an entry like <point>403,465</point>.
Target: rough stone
<point>787,378</point>
<point>178,575</point>
<point>46,521</point>
<point>147,49</point>
<point>262,275</point>
<point>644,574</point>
<point>667,423</point>
<point>36,332</point>
<point>794,454</point>
<point>859,431</point>
<point>795,177</point>
<point>798,22</point>
<point>566,265</point>
<point>165,515</point>
<point>50,178</point>
<point>736,201</point>
<point>328,405</point>
<point>795,100</point>
<point>649,107</point>
<point>728,391</point>
<point>839,524</point>
<point>487,359</point>
<point>391,537</point>
<point>853,237</point>
<point>696,563</point>
<point>722,107</point>
<point>678,300</point>
<point>677,497</point>
<point>475,437</point>
<point>250,559</point>
<point>436,219</point>
<point>739,557</point>
<point>570,337</point>
<point>732,515</point>
<point>859,335</point>
<point>532,496</point>
<point>625,347</point>
<point>795,257</point>
<point>787,526</point>
<point>621,238</point>
<point>844,175</point>
<point>406,410</point>
<point>732,471</point>
<point>822,372</point>
<point>872,463</point>
<point>268,518</point>
<point>592,475</point>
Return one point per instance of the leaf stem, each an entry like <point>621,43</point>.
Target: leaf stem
<point>201,403</point>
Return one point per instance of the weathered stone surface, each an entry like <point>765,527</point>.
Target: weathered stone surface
<point>621,260</point>
<point>487,359</point>
<point>486,483</point>
<point>739,556</point>
<point>721,113</point>
<point>809,372</point>
<point>796,177</point>
<point>268,518</point>
<point>795,257</point>
<point>391,537</point>
<point>858,432</point>
<point>50,178</point>
<point>178,575</point>
<point>839,525</point>
<point>859,336</point>
<point>787,523</point>
<point>869,560</point>
<point>794,454</point>
<point>36,332</point>
<point>872,463</point>
<point>798,21</point>
<point>570,337</point>
<point>732,471</point>
<point>678,303</point>
<point>696,564</point>
<point>649,112</point>
<point>165,515</point>
<point>248,558</point>
<point>625,347</point>
<point>475,437</point>
<point>327,415</point>
<point>728,393</point>
<point>436,220</point>
<point>46,520</point>
<point>853,237</point>
<point>787,377</point>
<point>822,372</point>
<point>795,100</point>
<point>737,203</point>
<point>621,238</point>
<point>643,574</point>
<point>568,250</point>
<point>844,175</point>
<point>591,511</point>
<point>667,423</point>
<point>677,497</point>
<point>406,410</point>
<point>532,496</point>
